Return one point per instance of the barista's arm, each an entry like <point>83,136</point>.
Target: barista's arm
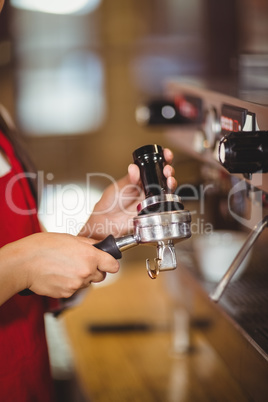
<point>52,264</point>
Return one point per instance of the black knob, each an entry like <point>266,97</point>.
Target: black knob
<point>150,160</point>
<point>244,152</point>
<point>159,112</point>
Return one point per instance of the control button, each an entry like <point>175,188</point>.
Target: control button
<point>244,152</point>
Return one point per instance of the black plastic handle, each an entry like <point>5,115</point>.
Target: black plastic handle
<point>108,245</point>
<point>151,162</point>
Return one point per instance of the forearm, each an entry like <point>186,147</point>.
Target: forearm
<point>97,227</point>
<point>92,228</point>
<point>12,279</point>
<point>114,213</point>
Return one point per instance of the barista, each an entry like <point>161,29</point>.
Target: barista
<point>51,265</point>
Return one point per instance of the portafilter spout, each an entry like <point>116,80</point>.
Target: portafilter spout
<point>161,220</point>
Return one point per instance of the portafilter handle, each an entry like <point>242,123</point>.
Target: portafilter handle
<point>110,245</point>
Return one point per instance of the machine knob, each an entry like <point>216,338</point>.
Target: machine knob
<point>244,152</point>
<point>159,112</point>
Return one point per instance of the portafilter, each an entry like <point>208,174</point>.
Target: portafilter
<point>161,219</point>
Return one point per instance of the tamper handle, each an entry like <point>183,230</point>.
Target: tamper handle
<point>150,160</point>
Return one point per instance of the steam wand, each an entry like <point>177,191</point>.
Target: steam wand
<point>251,239</point>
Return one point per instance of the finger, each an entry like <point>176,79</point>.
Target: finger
<point>168,171</point>
<point>168,155</point>
<point>134,173</point>
<point>99,276</point>
<point>172,183</point>
<point>133,170</point>
<point>106,263</point>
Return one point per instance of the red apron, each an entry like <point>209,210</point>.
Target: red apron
<point>24,364</point>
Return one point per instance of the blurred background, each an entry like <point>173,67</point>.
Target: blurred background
<point>72,77</point>
<point>72,81</point>
<point>72,74</point>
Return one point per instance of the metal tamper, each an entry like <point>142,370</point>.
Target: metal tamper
<point>161,220</point>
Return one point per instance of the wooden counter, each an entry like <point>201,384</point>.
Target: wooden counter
<point>141,365</point>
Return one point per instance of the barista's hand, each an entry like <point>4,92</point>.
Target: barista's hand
<point>52,264</point>
<point>114,213</point>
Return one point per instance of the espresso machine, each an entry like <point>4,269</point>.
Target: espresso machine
<point>229,138</point>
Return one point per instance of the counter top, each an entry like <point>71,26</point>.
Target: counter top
<point>137,360</point>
